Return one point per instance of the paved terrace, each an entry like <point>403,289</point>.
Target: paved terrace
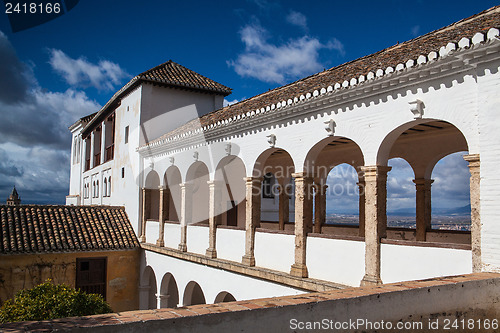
<point>429,302</point>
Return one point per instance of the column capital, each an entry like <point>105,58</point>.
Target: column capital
<point>185,186</point>
<point>302,175</point>
<point>215,182</point>
<point>374,170</point>
<point>474,162</point>
<point>472,158</point>
<point>423,181</point>
<point>252,179</point>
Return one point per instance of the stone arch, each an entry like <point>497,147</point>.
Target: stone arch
<point>420,132</point>
<point>193,294</point>
<point>148,289</point>
<point>330,152</point>
<point>172,180</point>
<point>320,161</point>
<point>198,176</point>
<point>152,193</point>
<point>422,143</point>
<point>169,294</point>
<point>224,296</point>
<point>280,164</point>
<point>229,175</point>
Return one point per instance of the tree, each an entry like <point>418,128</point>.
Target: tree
<point>50,301</point>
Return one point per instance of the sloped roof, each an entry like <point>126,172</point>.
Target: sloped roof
<point>389,57</point>
<point>172,74</point>
<point>45,229</point>
<point>168,74</point>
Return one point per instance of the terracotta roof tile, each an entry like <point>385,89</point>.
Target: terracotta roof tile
<point>173,74</point>
<point>40,229</point>
<point>389,57</point>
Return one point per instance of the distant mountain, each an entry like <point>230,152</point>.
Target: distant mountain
<point>465,210</point>
<point>457,211</point>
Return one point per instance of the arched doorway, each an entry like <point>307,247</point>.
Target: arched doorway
<point>148,289</point>
<point>224,296</point>
<point>169,294</point>
<point>193,294</point>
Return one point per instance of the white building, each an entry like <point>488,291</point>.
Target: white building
<point>229,202</point>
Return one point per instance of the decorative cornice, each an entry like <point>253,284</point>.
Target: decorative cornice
<point>451,58</point>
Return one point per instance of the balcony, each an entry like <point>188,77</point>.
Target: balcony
<point>109,153</point>
<point>97,159</point>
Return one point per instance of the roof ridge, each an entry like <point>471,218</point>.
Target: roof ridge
<point>272,98</point>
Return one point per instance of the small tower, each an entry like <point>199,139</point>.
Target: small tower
<point>14,199</point>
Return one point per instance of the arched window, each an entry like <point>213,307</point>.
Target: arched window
<point>105,188</point>
<point>93,190</point>
<point>109,186</point>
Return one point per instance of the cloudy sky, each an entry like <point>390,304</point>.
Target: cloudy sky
<point>55,73</point>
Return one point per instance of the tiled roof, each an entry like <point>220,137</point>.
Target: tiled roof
<point>169,74</point>
<point>43,229</point>
<point>390,57</point>
<point>173,74</point>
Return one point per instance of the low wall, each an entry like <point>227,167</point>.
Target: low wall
<point>417,306</point>
<point>25,271</point>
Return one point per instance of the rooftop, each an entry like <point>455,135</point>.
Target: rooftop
<point>391,57</point>
<point>172,74</point>
<point>29,229</point>
<point>168,74</point>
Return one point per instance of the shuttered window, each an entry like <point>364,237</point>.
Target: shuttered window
<point>91,275</point>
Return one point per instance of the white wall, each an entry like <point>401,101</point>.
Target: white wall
<point>340,261</point>
<point>152,231</point>
<point>404,263</point>
<point>197,239</point>
<point>172,235</point>
<point>211,280</point>
<point>230,244</point>
<point>274,251</point>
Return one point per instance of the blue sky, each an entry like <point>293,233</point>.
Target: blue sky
<point>54,73</point>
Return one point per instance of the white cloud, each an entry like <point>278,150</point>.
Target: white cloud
<point>82,73</point>
<point>227,103</point>
<point>279,63</point>
<point>34,135</point>
<point>297,19</point>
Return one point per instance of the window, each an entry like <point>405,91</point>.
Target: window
<point>109,186</point>
<point>93,190</point>
<point>105,188</point>
<point>97,189</point>
<point>126,134</point>
<point>267,186</point>
<point>123,172</point>
<point>91,275</point>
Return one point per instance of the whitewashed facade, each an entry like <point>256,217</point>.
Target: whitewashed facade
<point>201,190</point>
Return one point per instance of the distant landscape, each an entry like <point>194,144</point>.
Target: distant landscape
<point>442,219</point>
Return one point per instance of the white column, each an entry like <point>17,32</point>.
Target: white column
<point>253,193</point>
<point>475,214</point>
<point>303,221</point>
<point>375,220</point>
<point>186,213</point>
<point>214,216</point>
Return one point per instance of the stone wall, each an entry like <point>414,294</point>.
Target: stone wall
<point>26,271</point>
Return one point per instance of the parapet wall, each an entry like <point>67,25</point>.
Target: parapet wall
<point>461,303</point>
